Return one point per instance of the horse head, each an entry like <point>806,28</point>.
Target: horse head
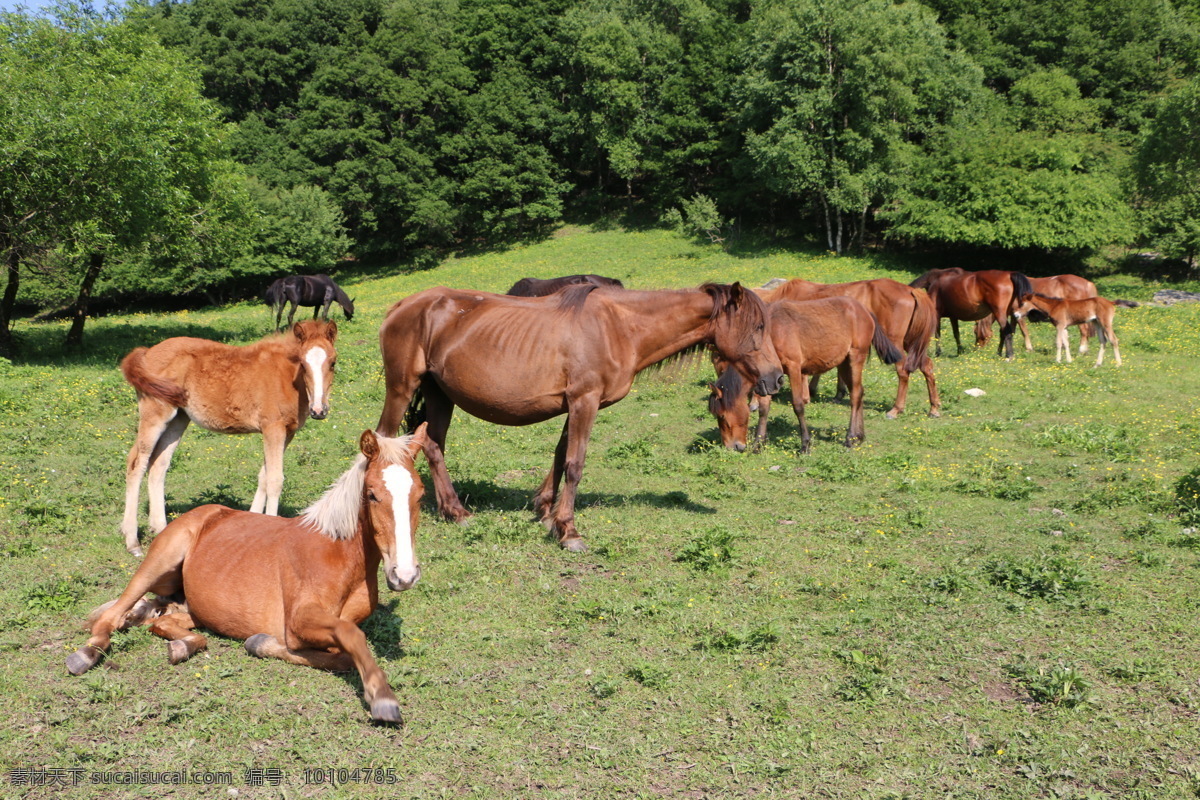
<point>727,402</point>
<point>348,308</point>
<point>318,362</point>
<point>391,501</point>
<point>739,334</point>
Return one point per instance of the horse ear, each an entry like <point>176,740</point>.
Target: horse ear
<point>736,293</point>
<point>368,444</point>
<point>331,327</point>
<point>418,440</point>
<point>298,332</point>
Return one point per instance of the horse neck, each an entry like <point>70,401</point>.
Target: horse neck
<point>664,323</point>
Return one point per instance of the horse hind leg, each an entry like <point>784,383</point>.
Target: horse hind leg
<point>160,462</point>
<point>182,641</point>
<point>153,418</point>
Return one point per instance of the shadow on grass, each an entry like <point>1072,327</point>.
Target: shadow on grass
<point>42,344</point>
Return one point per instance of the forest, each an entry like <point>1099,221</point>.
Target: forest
<point>201,148</point>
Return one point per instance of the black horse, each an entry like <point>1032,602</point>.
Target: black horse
<point>317,291</point>
<point>537,287</point>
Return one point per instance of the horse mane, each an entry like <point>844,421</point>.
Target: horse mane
<point>732,386</point>
<point>572,298</point>
<point>335,514</point>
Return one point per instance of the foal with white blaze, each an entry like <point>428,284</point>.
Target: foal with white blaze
<point>1065,313</point>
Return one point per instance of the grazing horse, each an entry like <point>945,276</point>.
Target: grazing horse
<point>961,295</point>
<point>520,360</point>
<point>272,386</point>
<point>317,291</point>
<point>906,316</point>
<point>810,337</point>
<point>538,287</point>
<point>1065,313</point>
<point>1068,287</point>
<point>293,589</point>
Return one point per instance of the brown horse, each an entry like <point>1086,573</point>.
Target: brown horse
<point>811,338</point>
<point>519,360</point>
<point>271,386</point>
<point>906,316</point>
<point>1068,287</point>
<point>540,287</point>
<point>970,296</point>
<point>1065,313</point>
<point>293,589</point>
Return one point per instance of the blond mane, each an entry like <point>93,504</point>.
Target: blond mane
<point>335,514</point>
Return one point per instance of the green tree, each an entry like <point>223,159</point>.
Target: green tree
<point>837,97</point>
<point>1167,166</point>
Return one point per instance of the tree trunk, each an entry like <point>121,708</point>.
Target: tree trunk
<point>79,313</point>
<point>9,301</point>
<point>828,224</point>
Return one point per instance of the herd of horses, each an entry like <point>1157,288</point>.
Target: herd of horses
<point>297,589</point>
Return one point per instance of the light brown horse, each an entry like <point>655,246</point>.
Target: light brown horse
<point>271,386</point>
<point>1065,313</point>
<point>811,338</point>
<point>1068,287</point>
<point>293,589</point>
<point>970,296</point>
<point>519,360</point>
<point>906,316</point>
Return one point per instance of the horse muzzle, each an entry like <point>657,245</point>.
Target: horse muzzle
<point>769,383</point>
<point>399,582</point>
<point>319,413</point>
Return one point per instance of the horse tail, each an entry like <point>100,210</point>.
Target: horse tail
<point>888,352</point>
<point>921,327</point>
<point>416,413</point>
<point>133,368</point>
<point>1021,285</point>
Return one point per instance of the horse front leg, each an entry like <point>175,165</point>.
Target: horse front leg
<point>1024,326</point>
<point>800,398</point>
<point>547,493</point>
<point>439,410</point>
<point>1065,342</point>
<point>764,410</point>
<point>276,438</point>
<point>851,371</point>
<point>581,416</point>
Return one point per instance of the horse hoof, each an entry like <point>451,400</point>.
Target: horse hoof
<point>177,651</point>
<point>135,551</point>
<point>83,659</point>
<point>935,413</point>
<point>891,415</point>
<point>575,545</point>
<point>386,710</point>
<point>257,644</point>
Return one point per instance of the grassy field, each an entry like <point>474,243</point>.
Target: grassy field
<point>1000,603</point>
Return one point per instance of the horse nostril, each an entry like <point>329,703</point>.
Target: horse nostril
<point>739,447</point>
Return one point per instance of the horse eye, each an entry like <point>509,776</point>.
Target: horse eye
<point>371,496</point>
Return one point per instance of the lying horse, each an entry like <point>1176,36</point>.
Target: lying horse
<point>538,287</point>
<point>293,589</point>
<point>906,316</point>
<point>1065,313</point>
<point>811,338</point>
<point>519,360</point>
<point>272,386</point>
<point>1068,287</point>
<point>970,296</point>
<point>317,291</point>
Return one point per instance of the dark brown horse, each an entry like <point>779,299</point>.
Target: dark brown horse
<point>316,291</point>
<point>905,315</point>
<point>519,360</point>
<point>272,386</point>
<point>1068,287</point>
<point>293,589</point>
<point>811,338</point>
<point>539,287</point>
<point>970,296</point>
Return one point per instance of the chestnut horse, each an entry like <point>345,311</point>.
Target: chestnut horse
<point>1065,313</point>
<point>1068,287</point>
<point>811,337</point>
<point>906,316</point>
<point>520,360</point>
<point>293,589</point>
<point>317,291</point>
<point>539,287</point>
<point>970,296</point>
<point>272,386</point>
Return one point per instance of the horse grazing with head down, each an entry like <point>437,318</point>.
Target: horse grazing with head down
<point>1065,313</point>
<point>272,386</point>
<point>1068,287</point>
<point>539,287</point>
<point>905,315</point>
<point>317,291</point>
<point>293,589</point>
<point>519,360</point>
<point>970,296</point>
<point>811,338</point>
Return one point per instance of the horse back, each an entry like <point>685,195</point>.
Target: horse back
<point>820,333</point>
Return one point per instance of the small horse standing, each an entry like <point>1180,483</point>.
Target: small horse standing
<point>520,360</point>
<point>317,291</point>
<point>970,296</point>
<point>1065,313</point>
<point>1068,287</point>
<point>539,287</point>
<point>811,338</point>
<point>271,386</point>
<point>906,316</point>
<point>293,589</point>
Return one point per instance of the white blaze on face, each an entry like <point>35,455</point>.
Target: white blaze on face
<point>315,358</point>
<point>399,482</point>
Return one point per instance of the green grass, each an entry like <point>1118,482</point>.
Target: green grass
<point>1000,603</point>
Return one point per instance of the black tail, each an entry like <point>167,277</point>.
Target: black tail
<point>415,414</point>
<point>1021,285</point>
<point>888,352</point>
